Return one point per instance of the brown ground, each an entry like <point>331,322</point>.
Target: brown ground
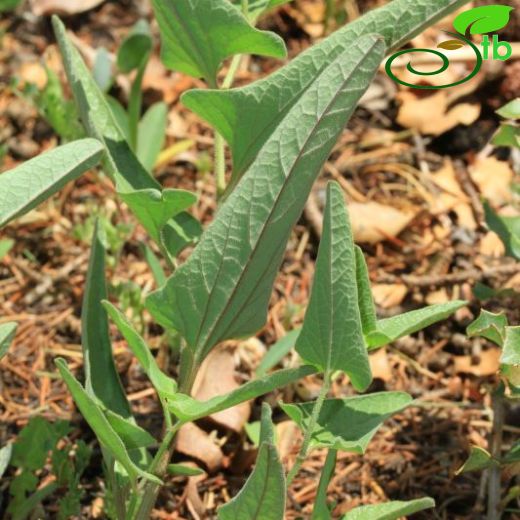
<point>434,258</point>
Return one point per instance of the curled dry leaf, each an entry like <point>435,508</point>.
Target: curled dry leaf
<point>493,178</point>
<point>196,443</point>
<point>491,245</point>
<point>217,377</point>
<point>373,222</point>
<point>380,365</point>
<point>288,437</point>
<point>63,7</point>
<point>432,114</point>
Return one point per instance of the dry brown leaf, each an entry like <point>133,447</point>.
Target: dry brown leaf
<point>389,295</point>
<point>432,114</point>
<point>436,297</point>
<point>217,377</point>
<point>493,178</point>
<point>380,365</point>
<point>193,498</point>
<point>452,198</point>
<point>491,245</point>
<point>63,7</point>
<point>487,365</point>
<point>373,222</point>
<point>196,443</point>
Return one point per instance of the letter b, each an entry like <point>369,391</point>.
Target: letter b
<point>497,54</point>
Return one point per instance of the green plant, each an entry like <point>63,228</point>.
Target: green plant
<point>495,328</point>
<point>35,449</point>
<point>280,130</point>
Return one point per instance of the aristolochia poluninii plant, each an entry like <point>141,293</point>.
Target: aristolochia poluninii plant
<point>281,130</point>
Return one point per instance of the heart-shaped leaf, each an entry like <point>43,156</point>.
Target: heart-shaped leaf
<point>478,459</point>
<point>490,326</point>
<point>483,19</point>
<point>135,48</point>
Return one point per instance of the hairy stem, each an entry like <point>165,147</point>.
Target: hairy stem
<point>304,450</point>
<point>494,487</point>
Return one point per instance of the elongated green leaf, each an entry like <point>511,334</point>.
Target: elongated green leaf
<point>132,435</point>
<point>390,329</point>
<point>321,509</point>
<point>101,377</point>
<point>483,19</point>
<point>277,352</point>
<point>247,116</point>
<point>152,134</point>
<point>348,424</point>
<point>98,118</point>
<point>478,459</point>
<point>7,332</point>
<point>198,35</point>
<point>135,48</point>
<point>263,495</point>
<point>188,409</point>
<point>100,424</point>
<point>29,184</point>
<point>223,290</point>
<point>332,337</point>
<point>511,457</point>
<point>511,349</point>
<point>390,511</point>
<point>164,385</point>
<point>490,326</point>
<point>183,470</point>
<point>154,264</point>
<point>507,228</point>
<point>366,300</point>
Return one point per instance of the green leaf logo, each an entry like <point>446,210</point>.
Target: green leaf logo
<point>482,20</point>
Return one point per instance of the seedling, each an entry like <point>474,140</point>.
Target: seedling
<point>280,130</point>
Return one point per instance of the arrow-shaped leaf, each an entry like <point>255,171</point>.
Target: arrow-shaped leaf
<point>29,184</point>
<point>332,337</point>
<point>348,424</point>
<point>247,116</point>
<point>263,495</point>
<point>223,290</point>
<point>198,35</point>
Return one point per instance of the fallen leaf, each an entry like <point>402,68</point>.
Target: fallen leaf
<point>373,222</point>
<point>380,366</point>
<point>432,114</point>
<point>452,198</point>
<point>389,295</point>
<point>491,245</point>
<point>63,7</point>
<point>487,363</point>
<point>196,443</point>
<point>436,297</point>
<point>493,178</point>
<point>288,436</point>
<point>217,377</point>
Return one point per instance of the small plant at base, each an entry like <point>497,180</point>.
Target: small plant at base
<point>281,130</point>
<point>495,328</point>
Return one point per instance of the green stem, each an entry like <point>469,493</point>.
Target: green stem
<point>304,450</point>
<point>135,105</point>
